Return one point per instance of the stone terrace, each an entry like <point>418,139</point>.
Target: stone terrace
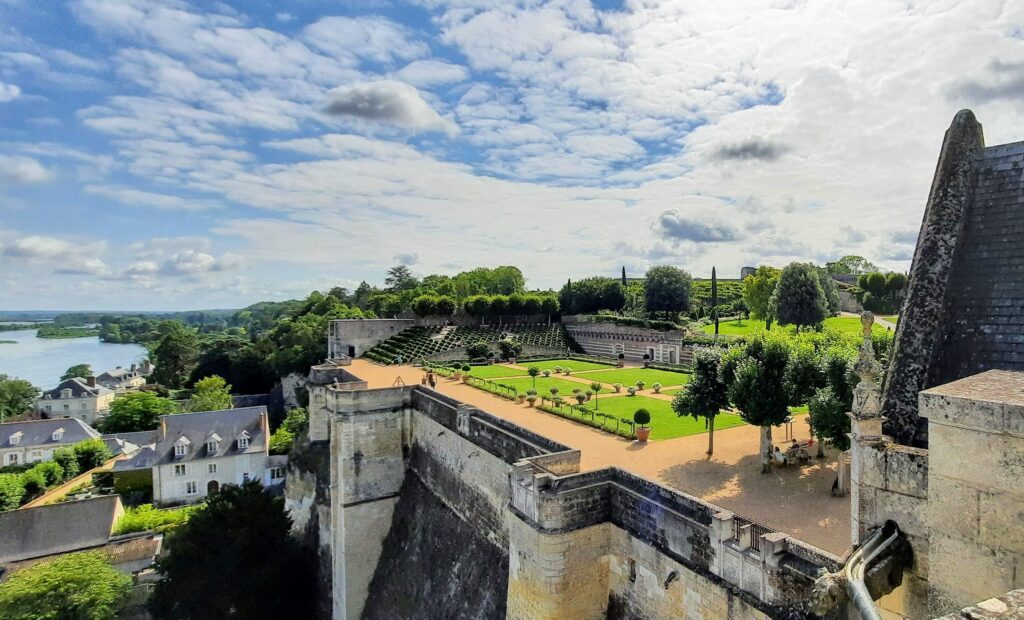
<point>796,501</point>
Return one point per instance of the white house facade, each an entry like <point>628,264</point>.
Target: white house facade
<point>33,441</point>
<point>77,398</point>
<point>195,454</point>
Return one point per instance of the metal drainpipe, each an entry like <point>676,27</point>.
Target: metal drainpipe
<point>857,567</point>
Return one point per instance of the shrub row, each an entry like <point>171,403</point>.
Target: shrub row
<point>601,421</point>
<point>146,518</point>
<point>628,321</point>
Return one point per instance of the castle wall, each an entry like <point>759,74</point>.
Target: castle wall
<point>609,340</point>
<point>976,443</point>
<point>353,337</point>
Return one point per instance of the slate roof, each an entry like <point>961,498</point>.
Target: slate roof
<point>196,428</point>
<point>79,389</point>
<point>57,528</point>
<point>40,432</point>
<point>964,309</point>
<point>128,443</point>
<point>143,459</point>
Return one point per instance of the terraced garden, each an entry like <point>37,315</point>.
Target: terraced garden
<point>741,327</point>
<point>418,342</point>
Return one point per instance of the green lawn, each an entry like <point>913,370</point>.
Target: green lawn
<point>665,424</point>
<point>739,327</point>
<point>574,364</point>
<point>496,370</point>
<point>543,385</point>
<point>629,376</point>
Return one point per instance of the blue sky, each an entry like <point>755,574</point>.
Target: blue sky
<point>166,154</point>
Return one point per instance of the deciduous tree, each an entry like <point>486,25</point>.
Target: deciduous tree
<point>667,291</point>
<point>83,586</point>
<point>78,370</point>
<point>706,394</point>
<point>757,293</point>
<point>210,394</point>
<point>17,396</point>
<point>798,298</point>
<point>137,411</point>
<point>757,388</point>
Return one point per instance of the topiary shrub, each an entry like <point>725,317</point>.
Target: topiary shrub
<point>568,370</point>
<point>631,390</point>
<point>558,370</point>
<point>640,384</point>
<point>547,373</point>
<point>656,387</point>
<point>642,417</point>
<point>581,398</point>
<point>617,387</point>
<point>531,398</point>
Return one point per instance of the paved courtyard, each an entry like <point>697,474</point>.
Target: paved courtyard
<point>795,500</point>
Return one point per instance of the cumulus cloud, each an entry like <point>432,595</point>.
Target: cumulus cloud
<point>387,101</point>
<point>22,170</point>
<point>66,257</point>
<point>8,92</point>
<point>370,38</point>
<point>680,227</point>
<point>187,263</point>
<point>754,148</point>
<point>1003,81</point>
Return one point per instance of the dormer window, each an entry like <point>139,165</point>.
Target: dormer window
<point>213,443</point>
<point>181,446</point>
<point>15,439</point>
<point>57,434</point>
<point>243,441</point>
<point>65,393</point>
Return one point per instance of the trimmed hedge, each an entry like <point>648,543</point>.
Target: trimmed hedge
<point>623,427</point>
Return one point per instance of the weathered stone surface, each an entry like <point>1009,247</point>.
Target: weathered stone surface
<point>923,314</point>
<point>435,565</point>
<point>1009,606</point>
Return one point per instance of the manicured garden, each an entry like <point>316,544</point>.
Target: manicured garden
<point>576,365</point>
<point>496,370</point>
<point>665,424</point>
<point>544,385</point>
<point>629,376</point>
<point>746,327</point>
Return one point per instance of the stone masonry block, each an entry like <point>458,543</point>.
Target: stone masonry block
<point>953,507</point>
<point>962,412</point>
<point>985,459</point>
<point>871,466</point>
<point>1014,419</point>
<point>906,471</point>
<point>965,572</point>
<point>1002,520</point>
<point>909,512</point>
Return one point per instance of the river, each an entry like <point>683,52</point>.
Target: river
<point>43,360</point>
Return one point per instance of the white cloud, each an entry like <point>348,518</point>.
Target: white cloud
<point>425,73</point>
<point>387,101</point>
<point>22,170</point>
<point>8,92</point>
<point>136,197</point>
<point>367,38</point>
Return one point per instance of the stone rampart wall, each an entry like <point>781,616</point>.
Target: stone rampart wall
<point>361,334</point>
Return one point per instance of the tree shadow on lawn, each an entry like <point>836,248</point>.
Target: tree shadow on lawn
<point>741,486</point>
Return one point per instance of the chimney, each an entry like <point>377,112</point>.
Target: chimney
<point>91,381</point>
<point>133,367</point>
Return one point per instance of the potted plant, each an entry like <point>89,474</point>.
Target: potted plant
<point>656,387</point>
<point>520,398</point>
<point>589,394</point>
<point>554,392</point>
<point>617,387</point>
<point>458,373</point>
<point>531,399</point>
<point>647,360</point>
<point>642,417</point>
<point>533,371</point>
<point>465,372</point>
<point>631,390</point>
<point>640,384</point>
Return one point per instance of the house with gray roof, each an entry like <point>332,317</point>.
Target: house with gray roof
<point>58,528</point>
<point>122,379</point>
<point>196,453</point>
<point>32,441</point>
<point>76,397</point>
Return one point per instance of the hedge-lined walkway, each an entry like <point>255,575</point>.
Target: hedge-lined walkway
<point>796,500</point>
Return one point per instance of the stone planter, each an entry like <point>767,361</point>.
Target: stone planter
<point>643,433</point>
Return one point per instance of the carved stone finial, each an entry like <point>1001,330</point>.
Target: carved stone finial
<point>867,397</point>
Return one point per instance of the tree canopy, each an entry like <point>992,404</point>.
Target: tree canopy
<point>757,387</point>
<point>235,558</point>
<point>667,290</point>
<point>137,411</point>
<point>83,586</point>
<point>591,295</point>
<point>706,394</point>
<point>17,396</point>
<point>210,394</point>
<point>175,354</point>
<point>78,370</point>
<point>851,265</point>
<point>757,292</point>
<point>798,298</point>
